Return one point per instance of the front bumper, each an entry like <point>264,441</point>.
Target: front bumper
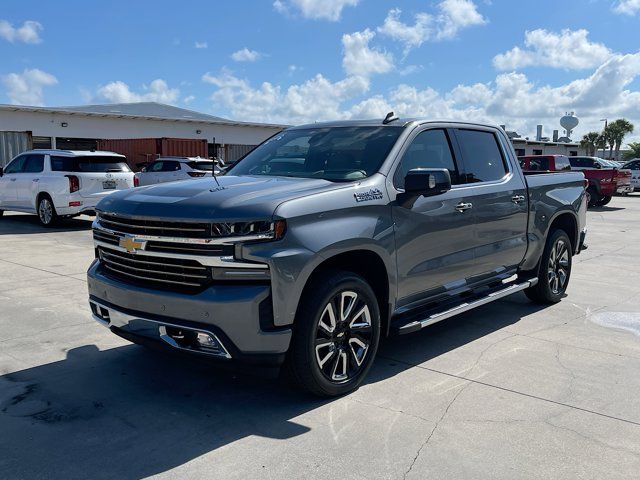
<point>232,313</point>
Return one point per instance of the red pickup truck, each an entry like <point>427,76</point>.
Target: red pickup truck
<point>603,180</point>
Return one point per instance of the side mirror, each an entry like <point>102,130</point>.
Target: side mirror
<point>427,182</point>
<point>144,169</point>
<point>597,165</point>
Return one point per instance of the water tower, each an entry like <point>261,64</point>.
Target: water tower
<point>569,122</point>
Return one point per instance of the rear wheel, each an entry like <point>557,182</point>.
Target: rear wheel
<point>554,271</point>
<point>46,211</point>
<point>592,196</point>
<point>604,200</point>
<point>336,335</point>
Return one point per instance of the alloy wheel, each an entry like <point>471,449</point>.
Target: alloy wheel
<point>558,267</point>
<point>343,336</point>
<point>45,210</point>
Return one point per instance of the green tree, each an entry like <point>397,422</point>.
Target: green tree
<point>590,142</point>
<point>609,136</point>
<point>619,129</point>
<point>635,151</point>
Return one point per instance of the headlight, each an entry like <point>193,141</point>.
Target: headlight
<point>250,231</point>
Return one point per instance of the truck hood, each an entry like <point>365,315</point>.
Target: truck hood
<point>235,198</point>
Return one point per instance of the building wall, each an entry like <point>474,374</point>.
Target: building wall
<point>79,126</point>
<point>547,148</point>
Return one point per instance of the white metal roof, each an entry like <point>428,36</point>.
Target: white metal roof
<point>141,110</point>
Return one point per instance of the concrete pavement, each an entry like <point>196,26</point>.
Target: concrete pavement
<point>511,390</point>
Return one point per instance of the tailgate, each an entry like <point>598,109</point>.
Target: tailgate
<point>99,184</point>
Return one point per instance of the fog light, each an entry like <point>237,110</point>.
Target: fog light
<point>206,341</point>
<point>75,204</point>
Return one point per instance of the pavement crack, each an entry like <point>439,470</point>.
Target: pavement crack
<point>433,430</point>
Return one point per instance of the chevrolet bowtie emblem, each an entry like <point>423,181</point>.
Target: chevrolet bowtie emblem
<point>131,245</point>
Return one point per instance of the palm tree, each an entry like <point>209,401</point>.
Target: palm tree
<point>590,142</point>
<point>621,128</point>
<point>610,134</point>
<point>635,151</point>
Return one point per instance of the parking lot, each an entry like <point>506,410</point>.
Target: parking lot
<point>511,390</point>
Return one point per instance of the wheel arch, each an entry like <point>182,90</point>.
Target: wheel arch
<point>568,222</point>
<point>365,263</point>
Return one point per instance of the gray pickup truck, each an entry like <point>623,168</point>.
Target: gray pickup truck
<point>328,237</point>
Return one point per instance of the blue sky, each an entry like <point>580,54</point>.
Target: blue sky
<point>294,61</point>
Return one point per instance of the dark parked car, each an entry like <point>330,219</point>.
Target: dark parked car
<point>327,238</point>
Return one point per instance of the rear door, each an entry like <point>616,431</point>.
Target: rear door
<point>170,171</point>
<point>433,234</point>
<point>27,183</point>
<point>634,166</point>
<point>496,188</point>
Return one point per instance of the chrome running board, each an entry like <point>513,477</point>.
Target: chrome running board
<point>437,316</point>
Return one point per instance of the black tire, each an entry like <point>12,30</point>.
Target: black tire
<point>46,211</point>
<point>547,291</point>
<point>310,362</point>
<point>603,201</point>
<point>1,213</point>
<point>593,196</point>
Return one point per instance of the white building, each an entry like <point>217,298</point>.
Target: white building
<point>80,127</point>
<point>523,146</point>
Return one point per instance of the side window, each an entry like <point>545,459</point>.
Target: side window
<point>430,149</point>
<point>17,165</point>
<point>155,167</point>
<point>34,164</point>
<point>170,166</point>
<point>541,163</point>
<point>634,165</point>
<point>483,159</point>
<point>562,163</point>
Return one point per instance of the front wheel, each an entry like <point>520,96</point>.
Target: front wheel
<point>46,211</point>
<point>554,271</point>
<point>593,197</point>
<point>336,335</point>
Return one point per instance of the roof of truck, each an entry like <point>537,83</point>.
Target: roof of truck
<point>399,122</point>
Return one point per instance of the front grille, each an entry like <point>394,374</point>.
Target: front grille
<point>154,271</point>
<point>155,227</point>
<point>204,249</point>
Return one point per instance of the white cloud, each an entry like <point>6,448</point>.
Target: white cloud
<point>569,49</point>
<point>451,17</point>
<point>315,9</point>
<point>245,55</point>
<point>627,7</point>
<point>188,99</point>
<point>29,32</point>
<point>360,59</point>
<point>316,99</point>
<point>201,45</point>
<point>511,99</point>
<point>26,88</point>
<point>156,91</point>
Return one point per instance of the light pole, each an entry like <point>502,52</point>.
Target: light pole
<point>604,147</point>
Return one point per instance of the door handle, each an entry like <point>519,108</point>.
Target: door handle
<point>518,198</point>
<point>36,179</point>
<point>462,207</point>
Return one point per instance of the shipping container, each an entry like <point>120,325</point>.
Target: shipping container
<point>13,143</point>
<point>140,151</point>
<point>233,153</point>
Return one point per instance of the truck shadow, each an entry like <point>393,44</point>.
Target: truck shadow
<point>129,413</point>
<point>20,224</point>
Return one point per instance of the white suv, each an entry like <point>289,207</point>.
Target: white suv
<point>61,183</point>
<point>172,169</point>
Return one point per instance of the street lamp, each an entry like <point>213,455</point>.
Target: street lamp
<point>604,147</point>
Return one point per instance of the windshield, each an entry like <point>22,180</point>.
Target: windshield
<point>88,163</point>
<point>331,153</point>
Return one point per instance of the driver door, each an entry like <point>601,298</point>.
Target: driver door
<point>434,235</point>
<point>8,189</point>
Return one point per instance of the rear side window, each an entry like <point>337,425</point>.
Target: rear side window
<point>206,166</point>
<point>430,149</point>
<point>34,164</point>
<point>170,166</point>
<point>581,162</point>
<point>483,160</point>
<point>562,163</point>
<point>90,164</point>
